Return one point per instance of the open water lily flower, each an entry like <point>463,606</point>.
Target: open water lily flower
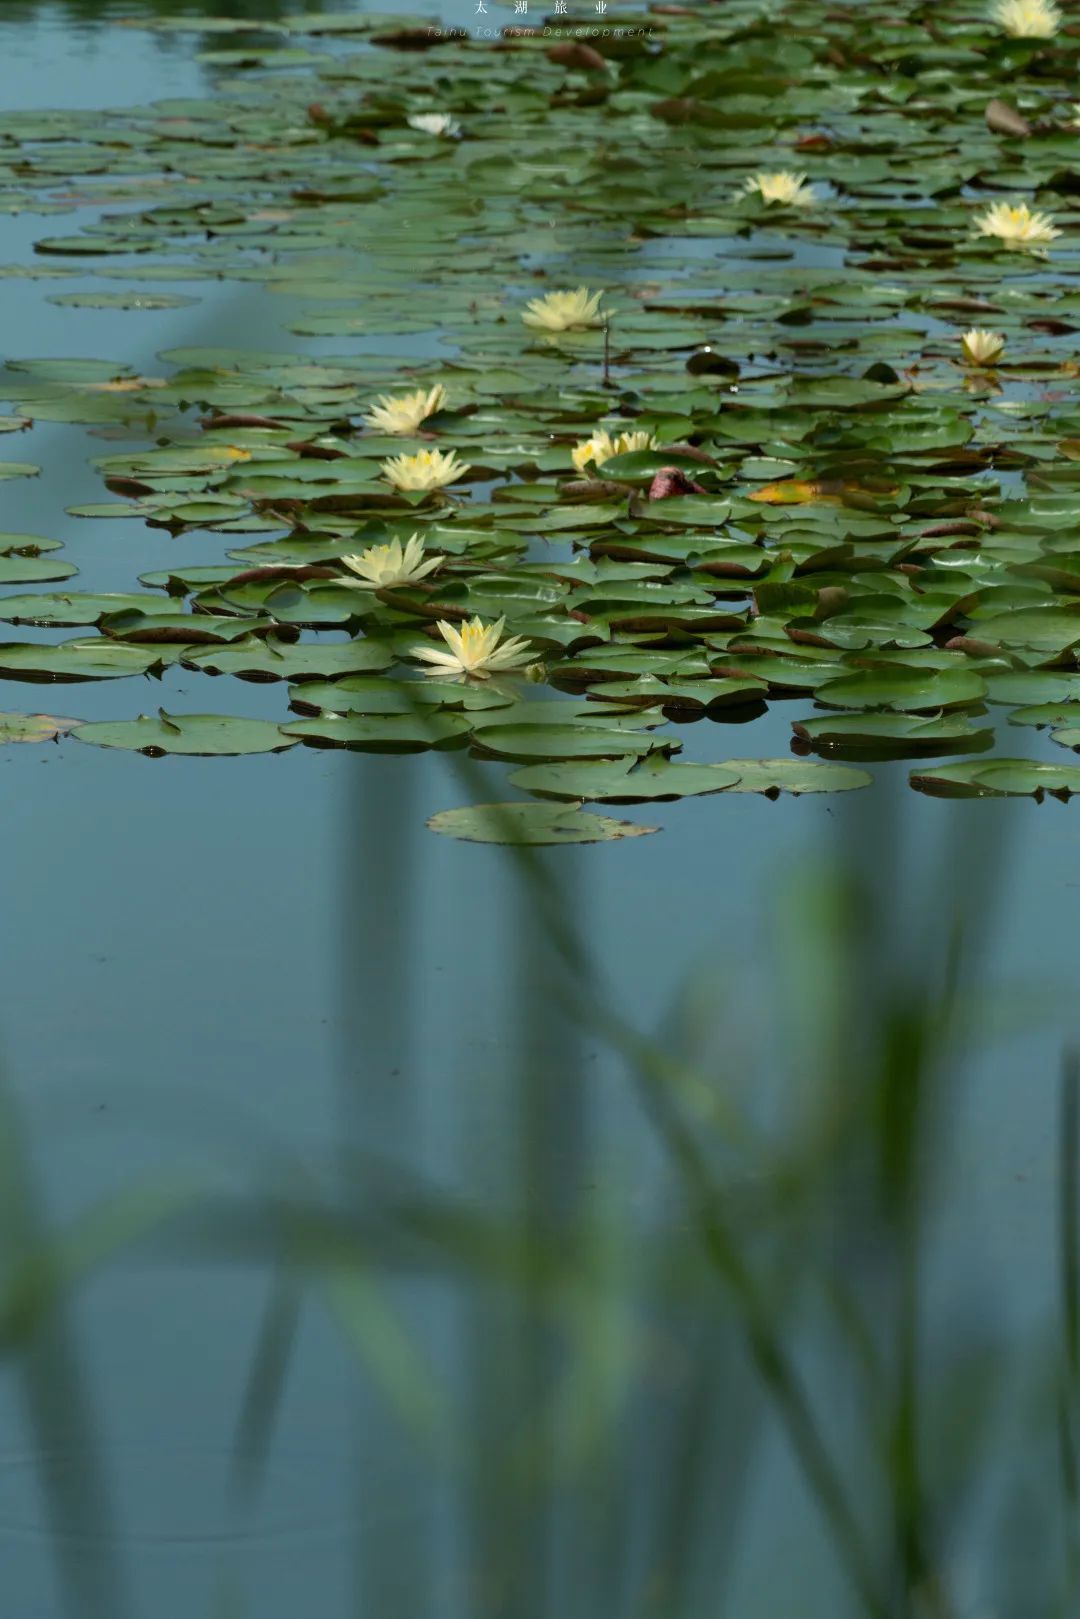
<point>428,469</point>
<point>1017,226</point>
<point>393,564</point>
<point>476,649</point>
<point>563,311</point>
<point>982,347</point>
<point>404,413</point>
<point>601,447</point>
<point>790,190</point>
<point>434,123</point>
<point>1027,19</point>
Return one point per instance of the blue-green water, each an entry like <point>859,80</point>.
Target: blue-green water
<point>181,997</point>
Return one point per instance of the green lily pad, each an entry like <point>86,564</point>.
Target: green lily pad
<point>204,735</point>
<point>519,824</point>
<point>775,776</point>
<point>999,778</point>
<point>624,781</point>
<point>893,735</point>
<point>257,659</point>
<point>908,690</point>
<point>78,607</point>
<point>90,659</point>
<point>381,733</point>
<point>563,741</point>
<point>121,300</point>
<point>33,727</point>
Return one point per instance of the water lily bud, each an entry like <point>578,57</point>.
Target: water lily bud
<point>982,347</point>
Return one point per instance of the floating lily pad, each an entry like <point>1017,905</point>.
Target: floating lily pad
<point>999,778</point>
<point>532,824</point>
<point>624,781</point>
<point>775,776</point>
<point>91,659</point>
<point>381,733</point>
<point>121,300</point>
<point>893,735</point>
<point>256,659</point>
<point>909,690</point>
<point>564,741</point>
<point>204,735</point>
<point>76,607</point>
<point>33,727</point>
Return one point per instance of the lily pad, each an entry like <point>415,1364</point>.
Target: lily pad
<point>892,735</point>
<point>90,659</point>
<point>775,776</point>
<point>204,735</point>
<point>33,727</point>
<point>563,741</point>
<point>908,690</point>
<point>624,781</point>
<point>521,824</point>
<point>381,733</point>
<point>999,778</point>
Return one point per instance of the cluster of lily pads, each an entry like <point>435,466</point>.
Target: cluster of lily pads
<point>724,363</point>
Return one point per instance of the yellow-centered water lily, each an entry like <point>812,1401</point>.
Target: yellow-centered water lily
<point>601,447</point>
<point>434,123</point>
<point>1027,19</point>
<point>403,413</point>
<point>393,564</point>
<point>476,649</point>
<point>791,190</point>
<point>427,469</point>
<point>1017,226</point>
<point>982,347</point>
<point>562,311</point>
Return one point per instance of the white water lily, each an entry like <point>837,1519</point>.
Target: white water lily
<point>434,123</point>
<point>562,311</point>
<point>476,649</point>
<point>404,413</point>
<point>601,447</point>
<point>790,190</point>
<point>427,469</point>
<point>393,564</point>
<point>1017,226</point>
<point>982,347</point>
<point>1027,19</point>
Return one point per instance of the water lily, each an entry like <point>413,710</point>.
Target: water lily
<point>393,564</point>
<point>562,311</point>
<point>982,347</point>
<point>1027,19</point>
<point>601,447</point>
<point>434,123</point>
<point>1017,226</point>
<point>476,649</point>
<point>404,413</point>
<point>427,469</point>
<point>790,190</point>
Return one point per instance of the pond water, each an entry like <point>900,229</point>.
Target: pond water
<point>263,979</point>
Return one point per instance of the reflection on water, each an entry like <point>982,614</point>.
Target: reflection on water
<point>398,1228</point>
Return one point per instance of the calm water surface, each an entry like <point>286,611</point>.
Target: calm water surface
<point>198,951</point>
